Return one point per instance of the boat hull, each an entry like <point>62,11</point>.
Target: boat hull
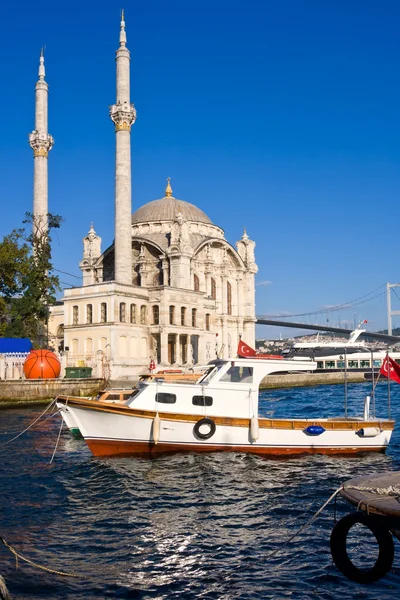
<point>120,430</point>
<point>100,447</point>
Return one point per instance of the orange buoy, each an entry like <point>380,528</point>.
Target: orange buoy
<point>41,364</point>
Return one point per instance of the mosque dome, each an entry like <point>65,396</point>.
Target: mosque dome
<point>167,208</point>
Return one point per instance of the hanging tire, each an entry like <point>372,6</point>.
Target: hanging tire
<point>341,559</point>
<point>200,435</point>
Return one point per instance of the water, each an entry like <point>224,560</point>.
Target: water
<point>183,526</point>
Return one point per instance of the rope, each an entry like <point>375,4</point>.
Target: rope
<point>392,490</point>
<point>30,562</point>
<point>31,425</point>
<point>303,527</point>
<point>58,439</point>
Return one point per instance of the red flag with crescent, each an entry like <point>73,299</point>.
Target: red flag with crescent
<point>394,369</point>
<point>244,350</point>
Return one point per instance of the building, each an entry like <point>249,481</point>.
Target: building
<point>170,288</point>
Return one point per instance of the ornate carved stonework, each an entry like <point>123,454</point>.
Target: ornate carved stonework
<point>41,144</point>
<point>123,115</point>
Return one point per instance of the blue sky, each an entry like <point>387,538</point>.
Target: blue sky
<point>278,116</point>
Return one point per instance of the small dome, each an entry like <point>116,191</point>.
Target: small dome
<point>166,209</point>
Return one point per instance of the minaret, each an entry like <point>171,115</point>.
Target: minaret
<point>41,143</point>
<point>123,114</point>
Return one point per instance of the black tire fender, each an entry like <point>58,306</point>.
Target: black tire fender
<point>204,436</point>
<point>342,560</point>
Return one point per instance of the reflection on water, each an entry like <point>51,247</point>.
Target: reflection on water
<point>182,526</point>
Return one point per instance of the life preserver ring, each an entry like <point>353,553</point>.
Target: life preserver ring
<point>341,559</point>
<point>201,423</point>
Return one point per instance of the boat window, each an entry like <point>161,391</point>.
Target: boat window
<point>329,364</point>
<point>202,401</point>
<point>166,398</point>
<point>340,364</point>
<point>377,363</point>
<point>126,395</point>
<point>135,392</point>
<point>353,364</point>
<point>112,397</point>
<point>238,374</point>
<point>209,373</point>
<point>364,363</point>
<point>320,364</point>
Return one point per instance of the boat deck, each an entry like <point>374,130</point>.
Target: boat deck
<point>375,494</point>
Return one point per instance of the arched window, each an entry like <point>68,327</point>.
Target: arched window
<point>75,315</point>
<point>143,316</point>
<point>103,314</point>
<point>172,315</point>
<point>194,317</point>
<point>156,315</point>
<point>122,312</point>
<point>213,289</point>
<point>133,313</point>
<point>183,315</point>
<point>207,322</point>
<point>228,298</point>
<point>196,283</point>
<point>89,313</point>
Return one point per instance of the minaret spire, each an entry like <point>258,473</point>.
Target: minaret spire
<point>123,114</point>
<point>41,143</point>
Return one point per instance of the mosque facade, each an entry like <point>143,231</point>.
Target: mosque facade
<point>170,289</point>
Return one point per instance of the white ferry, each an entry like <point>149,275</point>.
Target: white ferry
<point>331,356</point>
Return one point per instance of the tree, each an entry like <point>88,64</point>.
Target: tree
<point>28,285</point>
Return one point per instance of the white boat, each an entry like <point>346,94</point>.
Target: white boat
<point>219,412</point>
<point>332,356</point>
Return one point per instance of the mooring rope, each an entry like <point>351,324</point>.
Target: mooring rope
<point>31,425</point>
<point>58,439</point>
<point>34,564</point>
<point>391,490</point>
<point>303,527</point>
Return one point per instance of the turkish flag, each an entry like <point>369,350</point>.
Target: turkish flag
<point>244,350</point>
<point>394,369</point>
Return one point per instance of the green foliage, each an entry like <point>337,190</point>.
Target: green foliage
<point>28,285</point>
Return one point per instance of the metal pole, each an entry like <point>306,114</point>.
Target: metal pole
<point>388,378</point>
<point>345,383</point>
<point>373,382</point>
<point>389,308</point>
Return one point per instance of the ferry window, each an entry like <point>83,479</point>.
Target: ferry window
<point>340,364</point>
<point>238,375</point>
<point>329,364</point>
<point>377,363</point>
<point>166,398</point>
<point>320,364</point>
<point>364,363</point>
<point>353,364</point>
<point>202,401</point>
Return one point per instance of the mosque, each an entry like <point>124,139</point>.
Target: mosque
<point>170,289</point>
